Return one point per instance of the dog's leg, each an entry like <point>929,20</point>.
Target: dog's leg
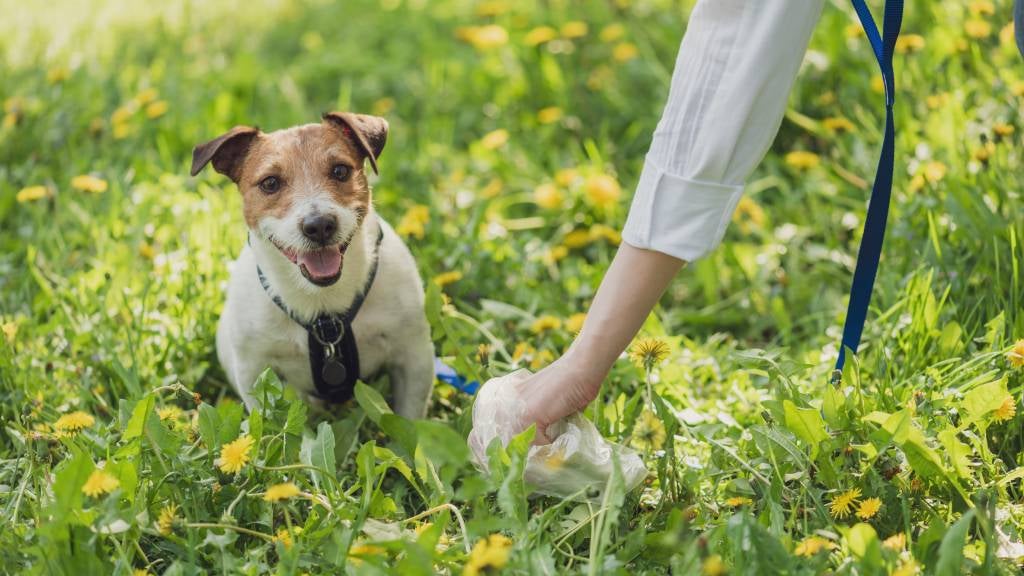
<point>412,374</point>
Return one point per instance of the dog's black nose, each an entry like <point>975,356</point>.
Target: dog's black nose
<point>319,228</point>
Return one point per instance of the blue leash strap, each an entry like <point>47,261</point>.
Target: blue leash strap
<point>870,251</point>
<point>447,374</point>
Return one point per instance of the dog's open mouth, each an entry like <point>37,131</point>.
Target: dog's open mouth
<point>322,266</point>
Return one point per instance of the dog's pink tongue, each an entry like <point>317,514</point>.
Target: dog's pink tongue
<point>323,263</point>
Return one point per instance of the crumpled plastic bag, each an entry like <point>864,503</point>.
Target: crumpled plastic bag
<point>578,462</point>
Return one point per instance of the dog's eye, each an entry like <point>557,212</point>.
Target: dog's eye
<point>270,184</point>
<point>340,172</point>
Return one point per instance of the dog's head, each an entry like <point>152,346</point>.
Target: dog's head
<point>304,188</point>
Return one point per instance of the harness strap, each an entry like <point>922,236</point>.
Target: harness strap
<point>333,354</point>
<point>877,217</point>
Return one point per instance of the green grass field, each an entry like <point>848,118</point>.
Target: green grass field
<point>518,130</point>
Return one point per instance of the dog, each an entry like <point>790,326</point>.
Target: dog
<point>324,291</point>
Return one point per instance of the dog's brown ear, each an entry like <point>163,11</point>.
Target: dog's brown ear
<point>226,151</point>
<point>369,132</point>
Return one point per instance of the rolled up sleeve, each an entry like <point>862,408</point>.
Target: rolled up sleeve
<point>732,78</point>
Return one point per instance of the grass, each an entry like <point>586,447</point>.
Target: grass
<point>509,165</point>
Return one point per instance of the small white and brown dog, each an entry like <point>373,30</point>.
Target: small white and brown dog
<point>325,291</point>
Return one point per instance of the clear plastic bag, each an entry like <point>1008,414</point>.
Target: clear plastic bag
<point>578,462</point>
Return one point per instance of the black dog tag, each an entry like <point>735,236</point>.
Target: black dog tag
<point>334,372</point>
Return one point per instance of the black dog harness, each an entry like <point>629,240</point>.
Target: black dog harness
<point>333,355</point>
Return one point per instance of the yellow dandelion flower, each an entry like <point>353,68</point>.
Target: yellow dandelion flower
<point>10,121</point>
<point>812,545</point>
<point>649,432</point>
<point>1017,88</point>
<point>802,160</point>
<point>983,153</point>
<point>89,183</point>
<point>602,190</point>
<point>577,239</point>
<point>549,115</point>
<point>100,483</point>
<point>1002,129</point>
<point>57,74</point>
<point>483,353</point>
<point>737,501</point>
<point>140,572</point>
<point>566,177</point>
<point>146,96</point>
<point>868,508</point>
<point>612,32</point>
<point>483,37</point>
<point>32,193</point>
<point>713,566</point>
<point>522,351</point>
<point>624,52</point>
<point>541,359</point>
<point>547,196</point>
<point>909,43</point>
<point>936,101</point>
<point>545,323</point>
<point>156,109</point>
<point>1006,34</point>
<point>168,517</point>
<point>574,29</point>
<point>1006,410</point>
<point>235,455</point>
<point>604,232</point>
<point>540,35</point>
<point>146,251</point>
<point>445,278</point>
<point>982,8</point>
<point>1016,354</point>
<point>853,31</point>
<point>877,85</point>
<point>488,556</point>
<point>494,139</point>
<point>285,538</point>
<point>382,106</point>
<point>648,352</point>
<point>74,422</point>
<point>413,222</point>
<point>360,551</point>
<point>124,113</point>
<point>575,322</point>
<point>934,171</point>
<point>492,8</point>
<point>837,124</point>
<point>10,330</point>
<point>554,254</point>
<point>279,492</point>
<point>121,130</point>
<point>895,542</point>
<point>749,214</point>
<point>977,29</point>
<point>169,412</point>
<point>843,504</point>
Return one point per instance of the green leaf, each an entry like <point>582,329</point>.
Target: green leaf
<point>371,402</point>
<point>951,550</point>
<point>807,425</point>
<point>209,424</point>
<point>230,420</point>
<point>863,542</point>
<point>296,418</point>
<point>67,485</point>
<point>400,430</point>
<point>321,451</point>
<point>137,423</point>
<point>983,400</point>
<point>957,452</point>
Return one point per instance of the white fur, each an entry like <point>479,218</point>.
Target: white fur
<point>391,329</point>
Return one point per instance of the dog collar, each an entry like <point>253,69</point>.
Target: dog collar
<point>333,354</point>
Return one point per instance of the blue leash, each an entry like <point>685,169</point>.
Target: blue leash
<point>878,208</point>
<point>448,375</point>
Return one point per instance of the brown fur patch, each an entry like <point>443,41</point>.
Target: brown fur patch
<point>302,159</point>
